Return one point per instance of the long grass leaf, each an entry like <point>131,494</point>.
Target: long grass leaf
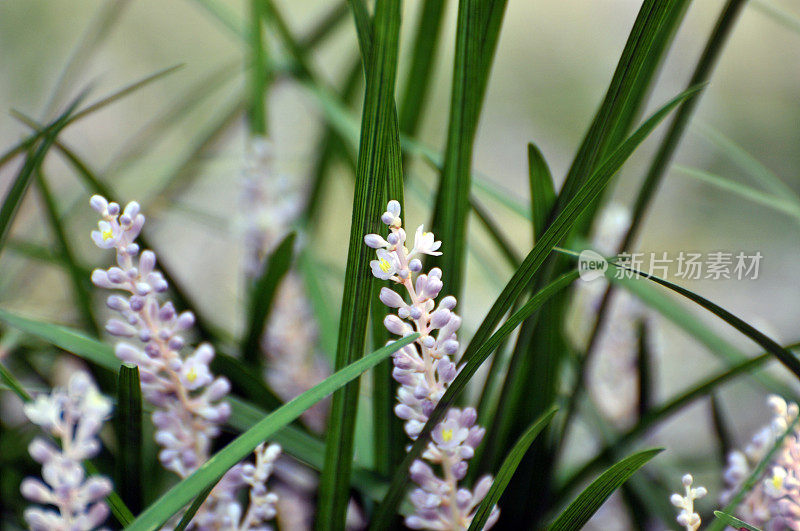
<point>108,100</point>
<point>262,297</point>
<point>374,155</point>
<point>506,470</point>
<point>186,490</point>
<point>258,72</point>
<point>35,157</point>
<point>129,436</point>
<point>76,271</point>
<point>734,522</point>
<point>476,39</point>
<point>589,501</point>
<point>543,193</point>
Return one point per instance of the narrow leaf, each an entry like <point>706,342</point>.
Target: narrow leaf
<point>507,469</point>
<point>543,193</point>
<point>129,436</point>
<point>262,297</point>
<point>734,522</point>
<point>589,501</point>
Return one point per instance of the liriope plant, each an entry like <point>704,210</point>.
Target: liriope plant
<point>235,430</point>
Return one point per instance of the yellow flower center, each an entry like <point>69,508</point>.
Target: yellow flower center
<point>777,481</point>
<point>107,234</point>
<point>447,435</point>
<point>384,265</point>
<point>191,375</point>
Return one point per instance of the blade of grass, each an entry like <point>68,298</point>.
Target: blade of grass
<point>173,500</point>
<point>129,436</point>
<point>475,43</point>
<point>94,184</point>
<point>193,508</point>
<point>76,271</point>
<point>589,501</point>
<point>96,32</point>
<point>562,224</point>
<point>108,100</point>
<point>385,512</point>
<point>702,73</point>
<point>543,193</point>
<point>754,168</point>
<point>734,522</point>
<point>721,429</point>
<point>423,55</point>
<point>325,26</point>
<point>36,154</point>
<point>660,413</point>
<point>375,152</point>
<point>258,71</point>
<point>262,297</point>
<point>775,202</point>
<point>781,16</point>
<point>506,471</point>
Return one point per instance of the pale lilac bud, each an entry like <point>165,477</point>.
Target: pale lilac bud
<point>448,302</point>
<point>393,238</point>
<point>113,209</point>
<point>147,262</point>
<point>132,249</point>
<point>415,265</point>
<point>117,275</point>
<point>185,320</point>
<point>450,346</point>
<point>435,273</point>
<point>119,328</point>
<point>375,241</point>
<point>136,303</point>
<point>35,491</point>
<point>393,207</point>
<point>387,218</point>
<point>428,342</point>
<point>391,298</point>
<point>132,209</point>
<point>415,312</point>
<point>403,313</point>
<point>396,326</point>
<point>219,388</point>
<point>440,318</point>
<point>101,280</point>
<point>116,302</point>
<point>98,203</point>
<point>403,411</point>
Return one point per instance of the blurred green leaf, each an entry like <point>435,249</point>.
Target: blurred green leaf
<point>507,470</point>
<point>186,519</point>
<point>734,522</point>
<point>589,501</point>
<point>34,158</point>
<point>262,297</point>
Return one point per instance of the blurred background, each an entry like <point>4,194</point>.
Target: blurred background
<point>553,65</point>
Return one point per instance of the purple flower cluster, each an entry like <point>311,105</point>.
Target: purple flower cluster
<point>774,503</point>
<point>188,397</point>
<point>74,415</point>
<point>424,370</point>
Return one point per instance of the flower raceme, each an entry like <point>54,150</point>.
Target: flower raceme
<point>424,369</point>
<point>74,415</point>
<point>188,398</point>
<point>687,517</point>
<point>774,503</point>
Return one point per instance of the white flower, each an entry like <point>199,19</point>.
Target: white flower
<point>424,243</point>
<point>107,236</point>
<point>42,411</point>
<point>385,266</point>
<point>774,485</point>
